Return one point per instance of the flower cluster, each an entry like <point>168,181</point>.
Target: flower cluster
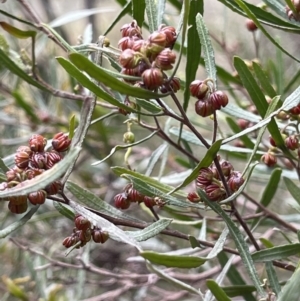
<point>208,101</point>
<point>83,232</point>
<point>210,182</point>
<point>130,195</point>
<point>31,161</point>
<point>290,13</point>
<point>148,58</point>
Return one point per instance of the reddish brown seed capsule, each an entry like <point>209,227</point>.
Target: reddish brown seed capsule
<point>61,142</point>
<point>37,197</point>
<point>199,89</point>
<point>37,143</point>
<point>165,59</point>
<point>129,58</point>
<point>219,99</point>
<point>193,197</point>
<point>152,78</point>
<point>51,158</point>
<point>157,41</point>
<point>17,209</point>
<point>131,29</point>
<point>170,33</point>
<point>204,108</point>
<point>133,195</point>
<point>37,161</point>
<point>53,188</point>
<point>251,26</point>
<point>149,201</point>
<point>226,167</point>
<point>69,241</point>
<point>18,199</point>
<point>32,173</point>
<point>22,159</point>
<point>100,236</point>
<point>292,142</point>
<point>235,181</point>
<point>214,192</point>
<point>269,159</point>
<point>82,223</point>
<point>121,201</point>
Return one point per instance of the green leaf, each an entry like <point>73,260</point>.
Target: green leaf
<point>266,242</point>
<point>193,49</point>
<point>278,252</point>
<point>251,16</point>
<point>272,277</point>
<point>15,69</point>
<point>239,290</point>
<point>117,147</point>
<point>16,32</point>
<point>150,231</point>
<point>161,7</point>
<point>264,80</point>
<point>146,189</point>
<point>290,291</point>
<point>151,10</point>
<point>217,291</point>
<point>186,262</point>
<point>72,126</point>
<point>239,242</point>
<point>205,162</point>
<point>293,189</point>
<point>138,11</point>
<point>16,225</point>
<point>47,177</point>
<point>64,210</point>
<point>90,200</point>
<point>208,51</point>
<point>3,166</point>
<point>235,111</point>
<point>149,106</point>
<point>96,72</point>
<point>154,183</point>
<point>292,100</point>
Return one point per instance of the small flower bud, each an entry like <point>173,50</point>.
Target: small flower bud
<point>219,99</point>
<point>37,160</point>
<point>17,209</point>
<point>129,58</point>
<point>131,29</point>
<point>18,199</point>
<point>243,123</point>
<point>53,188</point>
<point>193,197</point>
<point>37,197</point>
<point>32,173</point>
<point>292,142</point>
<point>121,201</point>
<point>85,236</point>
<point>199,89</point>
<point>149,201</point>
<point>69,242</point>
<point>100,236</point>
<point>82,223</point>
<point>235,181</point>
<point>128,137</point>
<point>37,143</point>
<point>61,142</point>
<point>22,159</point>
<point>214,192</point>
<point>157,42</point>
<point>152,78</point>
<point>251,26</point>
<point>165,59</point>
<point>126,43</point>
<point>205,177</point>
<point>295,110</point>
<point>170,33</point>
<point>133,195</point>
<point>173,86</point>
<point>51,158</point>
<point>269,159</point>
<point>16,174</point>
<point>226,167</point>
<point>204,108</point>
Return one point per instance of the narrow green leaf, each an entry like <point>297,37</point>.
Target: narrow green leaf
<point>146,189</point>
<point>161,7</point>
<point>16,32</point>
<point>64,210</point>
<point>292,100</point>
<point>15,69</point>
<point>218,247</point>
<point>47,177</point>
<point>272,277</point>
<point>205,162</point>
<point>16,225</point>
<point>117,147</point>
<point>239,242</point>
<point>293,189</point>
<point>86,82</point>
<point>264,80</point>
<point>71,127</point>
<point>251,16</point>
<point>208,51</point>
<point>150,231</point>
<point>194,242</point>
<point>239,290</point>
<point>149,106</point>
<point>237,112</point>
<point>90,200</point>
<point>266,242</point>
<point>193,49</point>
<point>217,291</point>
<point>155,157</point>
<point>157,184</point>
<point>278,252</point>
<point>3,166</point>
<point>138,11</point>
<point>185,262</point>
<point>290,292</point>
<point>151,10</point>
<point>96,72</point>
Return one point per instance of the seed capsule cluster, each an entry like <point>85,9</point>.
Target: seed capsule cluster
<point>31,161</point>
<point>208,101</point>
<point>130,195</point>
<point>210,182</point>
<point>149,58</point>
<point>83,232</point>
